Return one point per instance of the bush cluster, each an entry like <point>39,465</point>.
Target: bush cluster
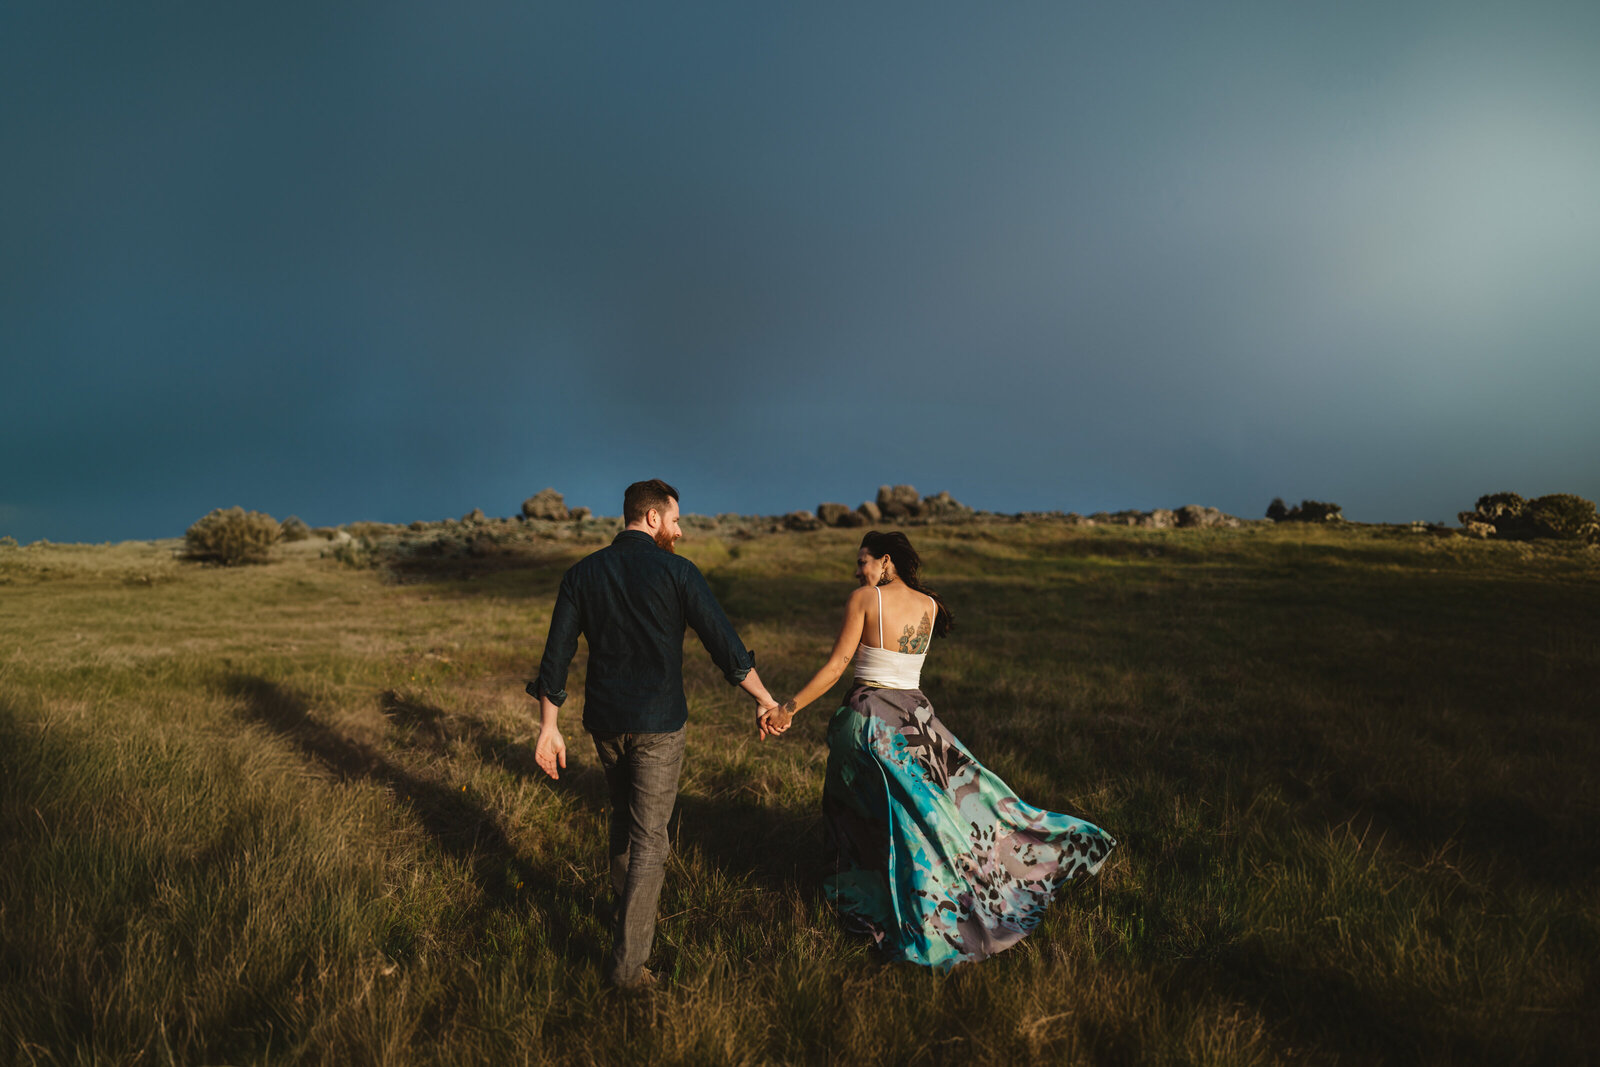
<point>1306,511</point>
<point>1555,517</point>
<point>353,553</point>
<point>294,528</point>
<point>232,536</point>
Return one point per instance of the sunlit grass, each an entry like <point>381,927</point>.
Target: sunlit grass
<point>289,813</point>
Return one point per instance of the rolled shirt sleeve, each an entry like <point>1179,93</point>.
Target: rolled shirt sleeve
<point>559,647</point>
<point>706,617</point>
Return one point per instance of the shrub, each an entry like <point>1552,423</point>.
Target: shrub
<point>1556,517</point>
<point>353,553</point>
<point>1318,511</point>
<point>8,542</point>
<point>294,529</point>
<point>1563,517</point>
<point>1495,507</point>
<point>232,536</point>
<point>1305,511</point>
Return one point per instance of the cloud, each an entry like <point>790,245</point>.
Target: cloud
<point>405,264</point>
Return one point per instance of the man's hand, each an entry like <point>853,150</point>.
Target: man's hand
<point>762,715</point>
<point>551,751</point>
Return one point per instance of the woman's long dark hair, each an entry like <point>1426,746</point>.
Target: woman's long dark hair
<point>908,568</point>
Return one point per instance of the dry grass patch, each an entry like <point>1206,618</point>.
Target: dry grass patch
<point>288,813</point>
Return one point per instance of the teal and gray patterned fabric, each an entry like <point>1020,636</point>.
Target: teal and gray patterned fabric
<point>938,859</point>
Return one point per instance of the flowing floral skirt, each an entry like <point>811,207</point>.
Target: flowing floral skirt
<point>938,859</point>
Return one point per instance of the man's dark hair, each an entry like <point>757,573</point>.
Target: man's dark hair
<point>640,497</point>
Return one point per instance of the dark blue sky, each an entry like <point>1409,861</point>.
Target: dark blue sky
<point>397,261</point>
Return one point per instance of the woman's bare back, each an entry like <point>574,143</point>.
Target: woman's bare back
<point>907,619</point>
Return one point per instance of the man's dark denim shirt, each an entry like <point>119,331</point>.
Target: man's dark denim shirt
<point>632,601</point>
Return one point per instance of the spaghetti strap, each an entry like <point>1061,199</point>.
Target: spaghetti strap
<point>879,590</point>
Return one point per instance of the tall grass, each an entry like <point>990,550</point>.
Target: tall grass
<point>289,814</point>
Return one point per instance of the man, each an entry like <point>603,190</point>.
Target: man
<point>632,602</point>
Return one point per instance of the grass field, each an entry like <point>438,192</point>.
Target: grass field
<point>289,813</point>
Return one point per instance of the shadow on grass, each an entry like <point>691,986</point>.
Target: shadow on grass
<point>1509,839</point>
<point>1326,1009</point>
<point>774,849</point>
<point>739,836</point>
<point>437,729</point>
<point>460,827</point>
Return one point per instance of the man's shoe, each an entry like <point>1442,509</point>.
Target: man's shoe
<point>646,980</point>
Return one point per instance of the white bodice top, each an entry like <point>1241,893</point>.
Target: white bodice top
<point>882,667</point>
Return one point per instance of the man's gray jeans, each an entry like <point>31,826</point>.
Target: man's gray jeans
<point>642,775</point>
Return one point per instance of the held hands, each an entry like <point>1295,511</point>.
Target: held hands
<point>776,719</point>
<point>551,751</point>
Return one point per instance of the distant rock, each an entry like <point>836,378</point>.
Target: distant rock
<point>942,505</point>
<point>1474,528</point>
<point>545,504</point>
<point>1191,515</point>
<point>899,502</point>
<point>801,520</point>
<point>852,518</point>
<point>832,514</point>
<point>579,514</point>
<point>1159,519</point>
<point>870,512</point>
<point>475,515</point>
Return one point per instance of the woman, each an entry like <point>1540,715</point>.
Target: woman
<point>938,860</point>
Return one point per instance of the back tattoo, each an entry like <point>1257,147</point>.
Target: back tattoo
<point>914,640</point>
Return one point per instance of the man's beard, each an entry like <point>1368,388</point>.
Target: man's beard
<point>666,541</point>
